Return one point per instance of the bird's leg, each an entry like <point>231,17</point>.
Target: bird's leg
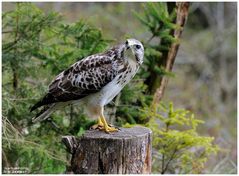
<point>102,124</point>
<point>106,127</point>
<point>99,125</point>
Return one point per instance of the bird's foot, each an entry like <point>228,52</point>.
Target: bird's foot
<point>98,126</point>
<point>110,129</point>
<point>102,125</point>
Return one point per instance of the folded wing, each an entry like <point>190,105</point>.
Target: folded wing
<point>83,78</point>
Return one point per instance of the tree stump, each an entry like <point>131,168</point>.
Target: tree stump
<point>125,152</point>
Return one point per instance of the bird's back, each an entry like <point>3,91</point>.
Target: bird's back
<point>85,77</point>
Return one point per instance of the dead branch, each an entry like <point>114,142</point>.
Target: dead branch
<point>182,14</point>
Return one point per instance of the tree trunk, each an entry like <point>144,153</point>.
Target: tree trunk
<point>182,14</point>
<point>125,152</point>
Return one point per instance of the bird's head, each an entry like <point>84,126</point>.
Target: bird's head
<point>134,50</point>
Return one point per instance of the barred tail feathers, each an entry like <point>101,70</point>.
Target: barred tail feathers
<point>44,114</point>
<point>46,100</point>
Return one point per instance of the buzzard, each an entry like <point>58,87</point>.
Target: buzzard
<point>93,82</point>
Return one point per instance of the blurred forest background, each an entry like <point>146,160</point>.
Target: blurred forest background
<point>204,78</point>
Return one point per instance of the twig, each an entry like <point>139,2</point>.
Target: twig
<point>163,157</point>
<point>56,128</point>
<point>5,32</point>
<point>14,65</point>
<point>170,159</point>
<point>150,38</point>
<point>5,159</point>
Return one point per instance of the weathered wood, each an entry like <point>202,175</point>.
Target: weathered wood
<point>125,152</point>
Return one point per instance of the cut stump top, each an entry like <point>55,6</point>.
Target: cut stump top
<point>71,142</point>
<point>123,133</point>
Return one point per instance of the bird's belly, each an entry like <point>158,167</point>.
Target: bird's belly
<point>105,95</point>
<point>110,92</point>
<point>101,98</point>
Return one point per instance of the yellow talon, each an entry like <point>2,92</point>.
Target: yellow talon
<point>111,129</point>
<point>103,125</point>
<point>99,125</point>
<point>106,127</point>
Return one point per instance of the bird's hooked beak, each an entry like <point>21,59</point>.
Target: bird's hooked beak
<point>127,45</point>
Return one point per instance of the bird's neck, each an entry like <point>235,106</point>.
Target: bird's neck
<point>130,58</point>
<point>132,64</point>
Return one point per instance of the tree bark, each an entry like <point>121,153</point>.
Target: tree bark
<point>125,152</point>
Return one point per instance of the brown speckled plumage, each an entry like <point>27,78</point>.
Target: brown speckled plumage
<point>89,76</point>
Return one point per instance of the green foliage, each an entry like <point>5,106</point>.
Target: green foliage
<point>159,20</point>
<point>39,45</point>
<point>71,42</point>
<point>139,93</point>
<point>30,151</point>
<point>132,98</point>
<point>180,149</point>
<point>36,44</point>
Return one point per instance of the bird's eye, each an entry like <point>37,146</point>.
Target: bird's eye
<point>127,42</point>
<point>138,46</point>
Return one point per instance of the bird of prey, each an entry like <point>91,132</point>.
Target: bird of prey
<point>93,82</point>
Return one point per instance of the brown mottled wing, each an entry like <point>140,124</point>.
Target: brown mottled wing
<point>83,78</point>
